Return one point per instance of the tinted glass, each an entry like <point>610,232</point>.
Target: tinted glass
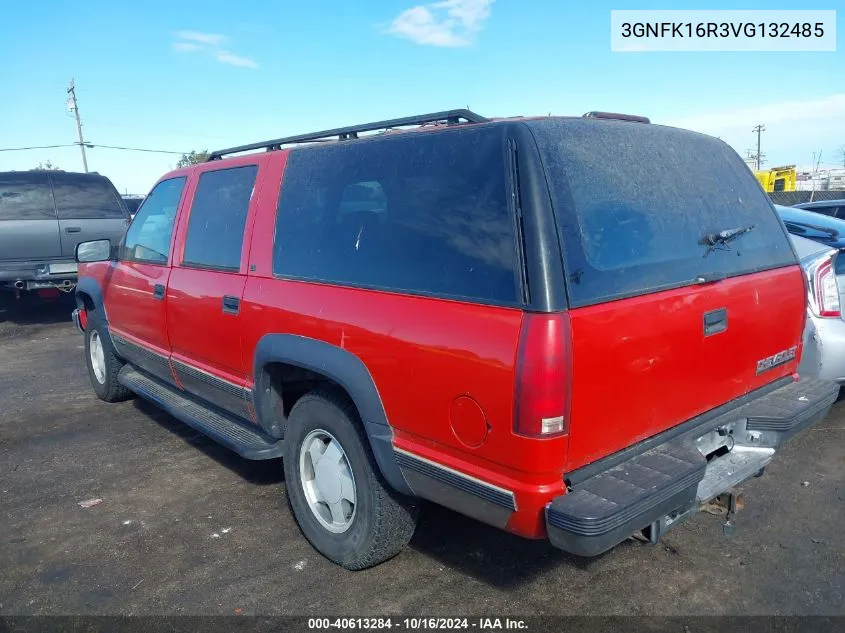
<point>424,213</point>
<point>132,204</point>
<point>149,235</point>
<point>634,201</point>
<point>824,210</point>
<point>26,197</point>
<point>85,197</point>
<point>218,217</point>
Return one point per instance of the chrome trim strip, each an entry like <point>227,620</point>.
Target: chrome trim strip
<point>210,379</point>
<point>467,483</point>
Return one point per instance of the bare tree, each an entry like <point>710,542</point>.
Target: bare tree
<point>48,165</point>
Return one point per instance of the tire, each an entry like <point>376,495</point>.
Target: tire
<point>381,521</point>
<point>104,375</point>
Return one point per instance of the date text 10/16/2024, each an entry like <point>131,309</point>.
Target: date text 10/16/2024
<point>418,624</point>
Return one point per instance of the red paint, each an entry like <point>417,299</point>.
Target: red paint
<point>48,294</point>
<point>643,365</point>
<point>618,372</point>
<point>469,424</point>
<point>130,306</point>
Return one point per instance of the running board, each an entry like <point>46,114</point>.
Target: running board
<point>250,443</point>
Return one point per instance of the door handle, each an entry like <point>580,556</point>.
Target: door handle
<point>231,305</point>
<point>158,291</point>
<point>73,229</point>
<point>715,321</point>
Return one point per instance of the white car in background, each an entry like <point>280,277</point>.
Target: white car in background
<point>824,333</point>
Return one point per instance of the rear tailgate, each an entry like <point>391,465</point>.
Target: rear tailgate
<point>28,227</point>
<point>664,325</point>
<point>89,208</point>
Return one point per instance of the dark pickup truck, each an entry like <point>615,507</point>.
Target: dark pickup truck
<point>44,215</point>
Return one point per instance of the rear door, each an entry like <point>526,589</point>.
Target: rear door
<point>207,284</point>
<point>667,321</point>
<point>89,208</point>
<point>29,230</point>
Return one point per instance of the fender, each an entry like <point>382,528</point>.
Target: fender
<point>345,369</point>
<point>91,287</point>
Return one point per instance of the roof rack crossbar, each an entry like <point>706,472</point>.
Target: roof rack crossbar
<point>346,133</point>
<point>616,115</point>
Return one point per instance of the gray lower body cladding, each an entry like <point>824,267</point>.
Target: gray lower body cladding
<point>671,479</point>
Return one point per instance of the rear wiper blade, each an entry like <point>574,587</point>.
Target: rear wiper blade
<point>719,241</point>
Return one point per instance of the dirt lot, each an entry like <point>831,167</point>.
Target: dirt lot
<point>185,527</point>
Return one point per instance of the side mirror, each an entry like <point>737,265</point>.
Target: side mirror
<point>94,251</point>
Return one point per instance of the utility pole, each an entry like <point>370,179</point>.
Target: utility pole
<point>759,129</point>
<point>72,105</point>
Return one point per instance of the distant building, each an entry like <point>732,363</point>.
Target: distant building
<point>822,180</point>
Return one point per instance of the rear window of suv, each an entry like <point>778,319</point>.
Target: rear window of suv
<point>424,213</point>
<point>26,196</point>
<point>80,196</point>
<point>632,202</point>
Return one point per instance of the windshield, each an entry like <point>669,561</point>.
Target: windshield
<point>637,206</point>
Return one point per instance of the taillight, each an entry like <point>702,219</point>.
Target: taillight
<point>826,291</point>
<point>543,376</point>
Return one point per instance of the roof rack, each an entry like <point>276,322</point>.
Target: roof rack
<point>615,115</point>
<point>450,117</point>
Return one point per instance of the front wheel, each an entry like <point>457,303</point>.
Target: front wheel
<point>103,363</point>
<point>337,494</point>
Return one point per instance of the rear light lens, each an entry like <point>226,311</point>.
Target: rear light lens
<point>543,376</point>
<point>826,290</point>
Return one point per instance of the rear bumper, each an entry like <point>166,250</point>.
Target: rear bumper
<point>669,481</point>
<point>823,355</point>
<point>36,273</point>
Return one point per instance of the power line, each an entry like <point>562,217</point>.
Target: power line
<point>136,149</point>
<point>20,149</point>
<point>92,146</point>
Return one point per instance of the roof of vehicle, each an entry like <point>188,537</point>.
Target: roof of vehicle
<point>38,174</point>
<point>795,214</point>
<point>820,203</point>
<point>418,123</point>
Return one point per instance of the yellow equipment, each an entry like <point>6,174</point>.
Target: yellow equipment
<point>778,178</point>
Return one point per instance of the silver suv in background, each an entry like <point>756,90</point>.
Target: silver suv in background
<point>44,215</point>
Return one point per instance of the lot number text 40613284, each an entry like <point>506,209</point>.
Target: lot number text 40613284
<point>418,624</point>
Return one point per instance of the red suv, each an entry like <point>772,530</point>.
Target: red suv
<point>569,328</point>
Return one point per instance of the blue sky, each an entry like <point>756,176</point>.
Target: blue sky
<point>194,75</point>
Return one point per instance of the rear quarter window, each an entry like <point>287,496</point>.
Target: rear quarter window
<point>423,213</point>
<point>81,197</point>
<point>26,197</point>
<point>633,202</point>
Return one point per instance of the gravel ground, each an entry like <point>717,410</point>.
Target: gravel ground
<point>186,527</point>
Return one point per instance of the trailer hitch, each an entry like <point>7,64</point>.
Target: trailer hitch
<point>730,503</point>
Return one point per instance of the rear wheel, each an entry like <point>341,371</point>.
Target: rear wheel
<point>102,362</point>
<point>337,494</point>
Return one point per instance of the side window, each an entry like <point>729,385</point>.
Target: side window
<point>149,235</point>
<point>824,210</point>
<point>82,197</point>
<point>426,213</point>
<point>26,197</point>
<point>218,217</point>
